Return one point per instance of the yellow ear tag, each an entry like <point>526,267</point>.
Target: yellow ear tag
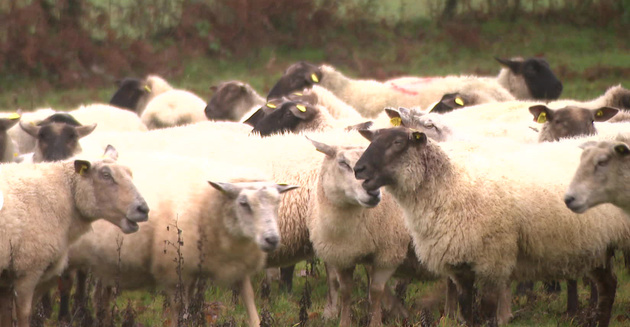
<point>314,78</point>
<point>15,154</point>
<point>542,118</point>
<point>417,136</point>
<point>271,105</point>
<point>14,116</point>
<point>83,169</point>
<point>146,87</point>
<point>301,108</point>
<point>459,101</point>
<point>395,121</point>
<point>298,94</point>
<point>599,113</point>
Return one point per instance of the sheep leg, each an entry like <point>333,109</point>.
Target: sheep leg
<point>464,279</point>
<point>377,286</point>
<point>65,288</point>
<point>552,287</point>
<point>504,310</point>
<point>332,305</point>
<point>25,289</point>
<point>450,307</point>
<point>345,290</point>
<point>490,303</point>
<point>247,296</point>
<point>606,282</point>
<point>286,278</point>
<point>6,306</point>
<point>592,301</point>
<point>393,303</point>
<point>572,297</point>
<point>626,259</point>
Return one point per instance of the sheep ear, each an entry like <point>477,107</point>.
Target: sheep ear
<point>229,189</point>
<point>395,119</point>
<point>254,118</point>
<point>6,123</point>
<point>110,152</point>
<point>284,187</point>
<point>30,128</point>
<point>82,166</point>
<point>514,66</point>
<point>368,133</point>
<point>85,130</point>
<point>622,150</point>
<point>541,113</point>
<point>213,88</point>
<point>364,125</point>
<point>326,149</point>
<point>419,137</point>
<point>301,111</point>
<point>604,113</point>
<point>625,101</point>
<point>587,144</point>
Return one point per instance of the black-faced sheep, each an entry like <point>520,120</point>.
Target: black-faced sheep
<point>516,228</point>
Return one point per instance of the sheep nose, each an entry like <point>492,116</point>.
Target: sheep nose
<point>568,199</point>
<point>143,208</point>
<point>358,169</point>
<point>376,192</point>
<point>272,240</point>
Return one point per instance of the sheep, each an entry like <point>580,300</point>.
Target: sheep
<point>173,108</point>
<point>59,200</point>
<point>235,225</point>
<point>57,140</point>
<point>345,233</point>
<point>231,100</point>
<point>7,147</point>
<point>369,97</point>
<point>23,141</point>
<point>530,78</point>
<point>135,94</point>
<point>600,176</point>
<point>515,228</point>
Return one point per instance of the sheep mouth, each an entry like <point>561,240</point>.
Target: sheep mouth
<point>581,208</point>
<point>267,248</point>
<point>370,185</point>
<point>373,198</point>
<point>128,226</point>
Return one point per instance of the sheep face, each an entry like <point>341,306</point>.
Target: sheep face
<point>228,97</point>
<point>129,93</point>
<point>380,163</point>
<point>541,82</point>
<point>340,186</point>
<point>104,189</point>
<point>431,125</point>
<point>56,141</point>
<point>297,77</point>
<point>600,178</point>
<point>450,102</point>
<point>252,211</point>
<point>569,121</point>
<point>286,118</point>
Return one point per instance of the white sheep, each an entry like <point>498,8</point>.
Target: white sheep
<point>174,108</point>
<point>108,118</point>
<point>351,226</point>
<point>235,226</point>
<point>601,176</point>
<point>514,224</point>
<point>232,100</point>
<point>48,206</point>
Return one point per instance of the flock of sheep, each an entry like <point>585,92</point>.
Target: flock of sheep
<point>477,180</point>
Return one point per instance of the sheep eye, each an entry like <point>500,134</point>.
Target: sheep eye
<point>344,165</point>
<point>429,125</point>
<point>243,203</point>
<point>107,176</point>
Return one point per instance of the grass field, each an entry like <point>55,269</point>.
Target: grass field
<point>588,60</point>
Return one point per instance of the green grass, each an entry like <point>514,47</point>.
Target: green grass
<point>546,310</point>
